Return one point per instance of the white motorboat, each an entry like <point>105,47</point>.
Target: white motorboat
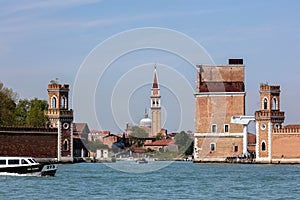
<point>26,165</point>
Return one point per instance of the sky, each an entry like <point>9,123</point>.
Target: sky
<point>44,40</point>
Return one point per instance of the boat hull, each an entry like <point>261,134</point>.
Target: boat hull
<point>39,169</point>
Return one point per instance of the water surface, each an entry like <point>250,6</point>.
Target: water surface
<point>179,180</point>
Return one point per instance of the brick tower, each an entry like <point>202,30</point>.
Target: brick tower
<point>220,94</point>
<point>268,118</point>
<point>61,117</point>
<point>155,106</point>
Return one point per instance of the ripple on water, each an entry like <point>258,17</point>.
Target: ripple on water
<point>179,180</point>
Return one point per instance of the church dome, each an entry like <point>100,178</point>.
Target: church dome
<point>146,121</point>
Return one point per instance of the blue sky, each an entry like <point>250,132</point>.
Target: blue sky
<point>42,40</point>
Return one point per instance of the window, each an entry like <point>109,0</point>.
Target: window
<point>63,102</point>
<point>263,127</point>
<point>263,146</point>
<point>14,162</point>
<point>53,102</point>
<point>2,162</point>
<point>214,128</point>
<point>274,104</point>
<point>24,162</point>
<point>212,146</point>
<point>236,148</point>
<point>265,103</point>
<point>66,146</point>
<point>226,128</point>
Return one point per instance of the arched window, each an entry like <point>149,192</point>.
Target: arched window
<point>63,102</point>
<point>265,103</point>
<point>53,102</point>
<point>66,145</point>
<point>274,104</point>
<point>263,146</point>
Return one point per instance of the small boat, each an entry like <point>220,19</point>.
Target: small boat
<point>142,161</point>
<point>26,166</point>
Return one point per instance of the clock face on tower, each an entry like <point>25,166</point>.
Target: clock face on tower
<point>66,125</point>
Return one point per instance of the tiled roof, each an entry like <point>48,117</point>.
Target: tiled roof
<point>79,127</point>
<point>155,82</point>
<point>164,142</point>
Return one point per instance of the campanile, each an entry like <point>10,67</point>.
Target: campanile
<point>155,106</point>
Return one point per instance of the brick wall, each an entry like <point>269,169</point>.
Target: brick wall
<point>285,146</point>
<point>28,142</point>
<point>218,110</point>
<point>224,147</point>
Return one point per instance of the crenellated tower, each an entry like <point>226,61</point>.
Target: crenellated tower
<point>268,118</point>
<point>61,117</point>
<point>155,106</point>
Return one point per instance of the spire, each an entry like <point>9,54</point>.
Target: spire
<point>145,114</point>
<point>155,82</point>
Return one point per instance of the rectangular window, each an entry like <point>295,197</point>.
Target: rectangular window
<point>226,128</point>
<point>14,162</point>
<point>214,128</point>
<point>2,162</point>
<point>236,148</point>
<point>212,146</point>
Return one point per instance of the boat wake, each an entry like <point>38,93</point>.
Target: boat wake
<point>16,174</point>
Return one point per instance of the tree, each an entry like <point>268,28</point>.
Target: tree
<point>159,136</point>
<point>138,132</point>
<point>24,112</point>
<point>21,112</point>
<point>183,141</point>
<point>94,145</point>
<point>7,105</point>
<point>36,113</point>
<point>138,135</point>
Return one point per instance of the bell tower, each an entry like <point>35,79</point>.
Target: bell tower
<point>61,117</point>
<point>268,118</point>
<point>155,106</point>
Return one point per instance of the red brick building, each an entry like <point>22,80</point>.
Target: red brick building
<point>275,143</point>
<point>55,142</point>
<point>220,94</point>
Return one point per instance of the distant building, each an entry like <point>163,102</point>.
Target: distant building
<point>155,106</point>
<point>146,123</point>
<point>80,135</point>
<point>105,137</point>
<point>101,153</point>
<point>162,145</point>
<point>151,125</point>
<point>220,94</point>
